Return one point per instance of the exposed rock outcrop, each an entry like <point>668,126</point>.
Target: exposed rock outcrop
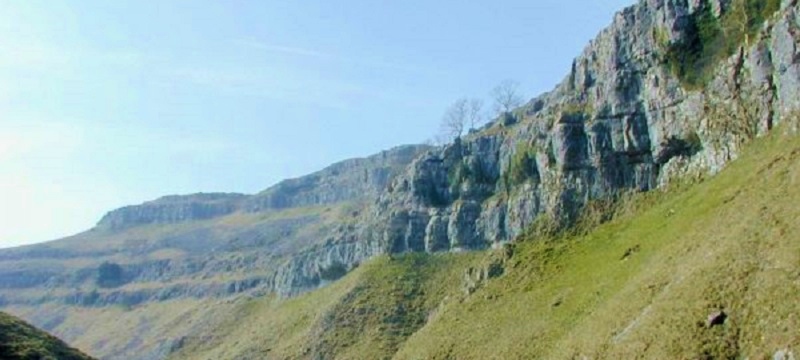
<point>172,209</point>
<point>345,181</point>
<point>620,121</point>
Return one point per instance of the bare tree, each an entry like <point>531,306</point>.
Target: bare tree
<point>507,96</point>
<point>438,140</point>
<point>455,118</point>
<point>463,115</point>
<point>474,116</point>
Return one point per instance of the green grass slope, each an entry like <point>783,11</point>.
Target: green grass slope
<point>639,286</point>
<point>20,341</point>
<point>643,285</point>
<point>366,315</point>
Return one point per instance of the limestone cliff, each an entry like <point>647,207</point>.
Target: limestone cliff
<point>622,120</point>
<point>345,181</point>
<point>172,209</point>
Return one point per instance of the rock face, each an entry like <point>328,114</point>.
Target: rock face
<point>344,181</point>
<point>172,209</point>
<point>620,121</point>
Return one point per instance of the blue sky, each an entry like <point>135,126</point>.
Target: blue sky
<point>109,103</point>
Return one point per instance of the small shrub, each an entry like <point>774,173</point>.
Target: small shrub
<point>577,111</point>
<point>109,275</point>
<point>462,172</point>
<point>709,39</point>
<point>333,272</point>
<point>544,226</point>
<point>692,58</point>
<point>596,213</point>
<point>551,155</point>
<point>522,166</point>
<point>508,118</point>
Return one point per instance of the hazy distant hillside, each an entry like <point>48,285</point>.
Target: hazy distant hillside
<point>201,246</point>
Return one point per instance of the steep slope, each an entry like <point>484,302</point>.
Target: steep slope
<point>645,285</point>
<point>640,286</point>
<point>629,116</point>
<point>20,341</point>
<point>366,315</point>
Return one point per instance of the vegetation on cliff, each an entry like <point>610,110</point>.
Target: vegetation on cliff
<point>709,39</point>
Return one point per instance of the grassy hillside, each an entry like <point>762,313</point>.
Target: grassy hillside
<point>643,285</point>
<point>20,341</point>
<point>640,286</point>
<point>366,315</point>
<point>117,332</point>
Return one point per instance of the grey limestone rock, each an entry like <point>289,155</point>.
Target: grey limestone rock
<point>783,355</point>
<point>172,209</point>
<point>620,121</point>
<point>345,181</point>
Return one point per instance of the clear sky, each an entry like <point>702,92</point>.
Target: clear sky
<point>109,103</point>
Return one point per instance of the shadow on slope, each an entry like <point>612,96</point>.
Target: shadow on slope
<point>20,341</point>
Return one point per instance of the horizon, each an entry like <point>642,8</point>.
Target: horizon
<point>115,104</point>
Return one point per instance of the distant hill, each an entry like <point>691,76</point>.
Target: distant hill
<point>188,249</point>
<point>20,341</point>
